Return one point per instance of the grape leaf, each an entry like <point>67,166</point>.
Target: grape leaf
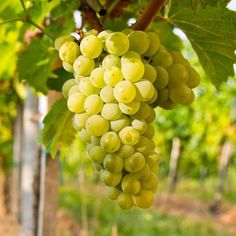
<point>212,33</point>
<point>58,128</point>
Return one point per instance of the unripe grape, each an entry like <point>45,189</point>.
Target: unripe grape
<point>134,163</point>
<point>163,95</point>
<point>125,201</point>
<point>69,51</point>
<point>130,185</point>
<point>144,199</point>
<point>95,140</point>
<point>178,75</point>
<point>113,163</point>
<point>129,108</point>
<point>162,78</point>
<point>112,76</point>
<point>111,111</point>
<point>150,183</point>
<point>143,173</point>
<point>97,125</point>
<point>154,44</point>
<point>135,38</point>
<point>97,154</point>
<point>113,193</point>
<point>130,54</point>
<point>124,92</point>
<point>151,117</point>
<point>162,58</point>
<point>66,87</point>
<point>83,65</point>
<point>110,142</point>
<point>191,98</point>
<point>91,46</point>
<point>143,112</point>
<point>143,145</point>
<point>117,125</point>
<point>61,40</point>
<point>97,77</point>
<point>149,73</point>
<point>129,135</point>
<point>75,102</point>
<point>150,131</point>
<point>180,94</point>
<point>178,58</point>
<point>93,104</point>
<point>107,95</point>
<point>74,89</point>
<point>193,77</point>
<point>111,179</point>
<point>168,104</point>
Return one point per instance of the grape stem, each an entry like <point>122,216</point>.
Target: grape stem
<point>153,7</point>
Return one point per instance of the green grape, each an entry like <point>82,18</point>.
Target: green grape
<point>161,48</point>
<point>134,163</point>
<point>111,60</point>
<point>97,125</point>
<point>66,87</point>
<point>110,179</point>
<point>145,90</point>
<point>93,104</point>
<point>129,108</point>
<point>193,78</point>
<point>110,141</point>
<point>78,78</point>
<point>113,193</point>
<point>154,97</point>
<point>130,184</point>
<point>111,111</point>
<point>132,69</point>
<point>143,145</point>
<point>91,46</point>
<point>67,67</point>
<point>130,54</point>
<point>191,98</point>
<point>69,51</point>
<point>97,154</point>
<point>150,131</point>
<point>144,199</point>
<point>61,40</point>
<point>97,77</point>
<point>91,32</point>
<point>80,120</point>
<point>139,41</point>
<point>150,183</point>
<point>143,112</point>
<point>117,125</point>
<point>103,36</point>
<point>95,140</point>
<point>124,92</point>
<point>154,44</point>
<point>89,146</point>
<point>126,150</point>
<point>129,135</point>
<point>155,157</point>
<point>139,125</point>
<point>178,74</point>
<point>83,65</point>
<point>86,87</point>
<point>74,89</point>
<point>75,102</point>
<point>143,173</point>
<point>180,94</point>
<point>125,201</point>
<point>113,163</point>
<point>162,78</point>
<point>117,43</point>
<point>107,95</point>
<point>168,104</point>
<point>151,117</point>
<point>178,58</point>
<point>163,95</point>
<point>85,135</point>
<point>153,165</point>
<point>149,73</point>
<point>162,58</point>
<point>112,76</point>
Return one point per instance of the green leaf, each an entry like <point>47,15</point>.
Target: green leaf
<point>58,127</point>
<point>35,62</point>
<point>212,33</point>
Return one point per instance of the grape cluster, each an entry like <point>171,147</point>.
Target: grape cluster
<point>119,77</point>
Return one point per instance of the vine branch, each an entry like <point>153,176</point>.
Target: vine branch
<point>24,8</point>
<point>153,7</point>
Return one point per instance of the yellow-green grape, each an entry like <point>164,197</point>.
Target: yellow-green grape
<point>113,193</point>
<point>191,98</point>
<point>162,78</point>
<point>143,173</point>
<point>107,95</point>
<point>130,54</point>
<point>151,117</point>
<point>97,77</point>
<point>125,201</point>
<point>143,145</point>
<point>103,36</point>
<point>66,87</point>
<point>91,46</point>
<point>69,51</point>
<point>83,65</point>
<point>80,120</point>
<point>112,76</point>
<point>154,97</point>
<point>67,67</point>
<point>111,111</point>
<point>139,125</point>
<point>129,108</point>
<point>143,112</point>
<point>86,87</point>
<point>110,179</point>
<point>130,184</point>
<point>117,125</point>
<point>97,154</point>
<point>180,94</point>
<point>124,92</point>
<point>85,135</point>
<point>75,102</point>
<point>89,146</point>
<point>97,125</point>
<point>168,104</point>
<point>193,77</point>
<point>149,72</point>
<point>162,58</point>
<point>129,135</point>
<point>126,150</point>
<point>117,43</point>
<point>110,142</point>
<point>150,131</point>
<point>78,78</point>
<point>134,163</point>
<point>139,41</point>
<point>154,44</point>
<point>91,32</point>
<point>113,163</point>
<point>61,40</point>
<point>74,89</point>
<point>150,183</point>
<point>178,58</point>
<point>111,60</point>
<point>93,104</point>
<point>132,69</point>
<point>153,163</point>
<point>95,140</point>
<point>145,90</point>
<point>163,95</point>
<point>178,74</point>
<point>155,157</point>
<point>144,199</point>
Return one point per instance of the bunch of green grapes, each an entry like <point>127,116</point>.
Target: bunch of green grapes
<point>118,77</point>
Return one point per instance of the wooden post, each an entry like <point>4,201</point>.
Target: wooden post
<point>174,158</point>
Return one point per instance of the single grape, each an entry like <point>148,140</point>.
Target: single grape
<point>74,89</point>
<point>150,183</point>
<point>178,58</point>
<point>162,78</point>
<point>111,111</point>
<point>144,199</point>
<point>151,117</point>
<point>117,125</point>
<point>129,108</point>
<point>130,184</point>
<point>126,150</point>
<point>180,94</point>
<point>86,87</point>
<point>168,104</point>
<point>67,67</point>
<point>149,73</point>
<point>163,95</point>
<point>97,77</point>
<point>129,135</point>
<point>178,74</point>
<point>91,46</point>
<point>110,142</point>
<point>97,154</point>
<point>130,54</point>
<point>139,125</point>
<point>95,140</point>
<point>125,201</point>
<point>103,36</point>
<point>124,92</point>
<point>112,76</point>
<point>61,40</point>
<point>69,51</point>
<point>150,131</point>
<point>193,77</point>
<point>145,90</point>
<point>107,95</point>
<point>83,65</point>
<point>110,179</point>
<point>113,163</point>
<point>113,193</point>
<point>153,98</point>
<point>143,112</point>
<point>143,145</point>
<point>80,120</point>
<point>154,44</point>
<point>93,104</point>
<point>75,102</point>
<point>191,98</point>
<point>66,87</point>
<point>97,125</point>
<point>134,163</point>
<point>111,60</point>
<point>162,58</point>
<point>139,41</point>
<point>143,173</point>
